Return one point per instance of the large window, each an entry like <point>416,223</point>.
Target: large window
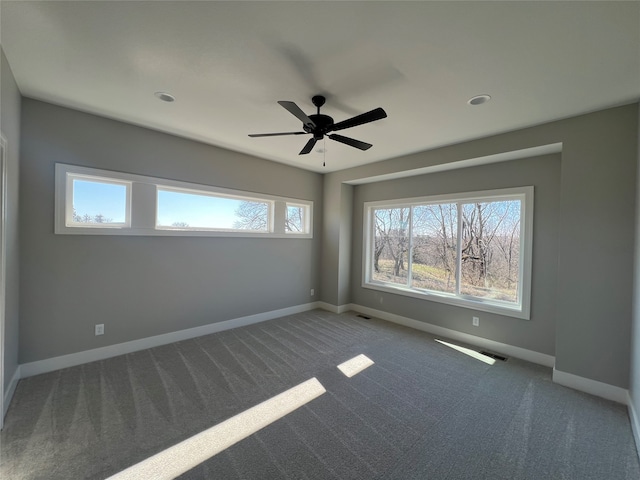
<point>101,202</point>
<point>471,250</point>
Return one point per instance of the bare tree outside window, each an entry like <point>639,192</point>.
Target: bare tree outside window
<point>435,247</point>
<point>294,219</point>
<point>391,245</point>
<point>490,249</point>
<point>90,219</point>
<point>418,246</point>
<point>252,216</point>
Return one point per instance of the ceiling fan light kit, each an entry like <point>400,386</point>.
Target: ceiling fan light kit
<point>320,125</point>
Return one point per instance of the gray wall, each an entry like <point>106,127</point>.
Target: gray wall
<point>595,237</point>
<point>338,199</point>
<point>543,173</point>
<point>634,387</point>
<point>70,283</point>
<point>10,127</point>
<point>144,286</point>
<point>596,245</point>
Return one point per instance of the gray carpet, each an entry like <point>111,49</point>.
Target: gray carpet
<point>422,411</point>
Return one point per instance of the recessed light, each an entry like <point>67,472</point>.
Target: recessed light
<point>165,97</point>
<point>479,99</point>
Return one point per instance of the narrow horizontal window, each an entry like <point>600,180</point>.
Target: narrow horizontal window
<point>90,201</point>
<point>471,250</point>
<point>193,210</point>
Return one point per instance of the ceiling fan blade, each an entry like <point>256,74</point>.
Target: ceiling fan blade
<point>275,134</point>
<point>352,142</point>
<point>308,147</point>
<point>295,110</point>
<point>372,116</point>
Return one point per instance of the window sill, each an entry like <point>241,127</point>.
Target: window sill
<point>484,306</point>
<point>152,232</point>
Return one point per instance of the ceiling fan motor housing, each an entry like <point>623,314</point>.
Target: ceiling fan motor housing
<point>323,122</point>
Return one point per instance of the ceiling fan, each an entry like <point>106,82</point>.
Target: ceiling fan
<point>320,125</point>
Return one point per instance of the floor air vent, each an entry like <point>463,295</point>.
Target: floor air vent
<point>363,316</point>
<point>495,355</point>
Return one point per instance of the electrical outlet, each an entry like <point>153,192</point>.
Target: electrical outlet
<point>475,321</point>
<point>100,329</point>
<point>313,292</point>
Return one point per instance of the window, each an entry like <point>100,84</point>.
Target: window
<point>197,210</point>
<point>296,218</point>
<point>471,250</point>
<point>99,202</point>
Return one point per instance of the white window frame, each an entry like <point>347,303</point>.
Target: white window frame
<point>142,206</point>
<point>306,209</point>
<point>520,309</point>
<point>68,214</point>
<point>216,194</point>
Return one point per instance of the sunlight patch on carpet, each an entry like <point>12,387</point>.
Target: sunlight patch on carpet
<point>191,452</point>
<point>468,351</point>
<point>355,365</point>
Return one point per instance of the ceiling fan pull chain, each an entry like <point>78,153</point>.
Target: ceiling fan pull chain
<point>324,149</point>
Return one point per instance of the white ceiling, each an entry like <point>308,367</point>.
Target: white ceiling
<point>228,63</point>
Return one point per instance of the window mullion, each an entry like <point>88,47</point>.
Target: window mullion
<point>276,215</point>
<point>410,248</point>
<point>459,249</point>
<point>144,205</point>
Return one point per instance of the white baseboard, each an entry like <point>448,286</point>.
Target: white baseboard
<point>79,358</point>
<point>593,387</point>
<point>635,422</point>
<point>497,347</point>
<point>8,395</point>
<point>329,307</point>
